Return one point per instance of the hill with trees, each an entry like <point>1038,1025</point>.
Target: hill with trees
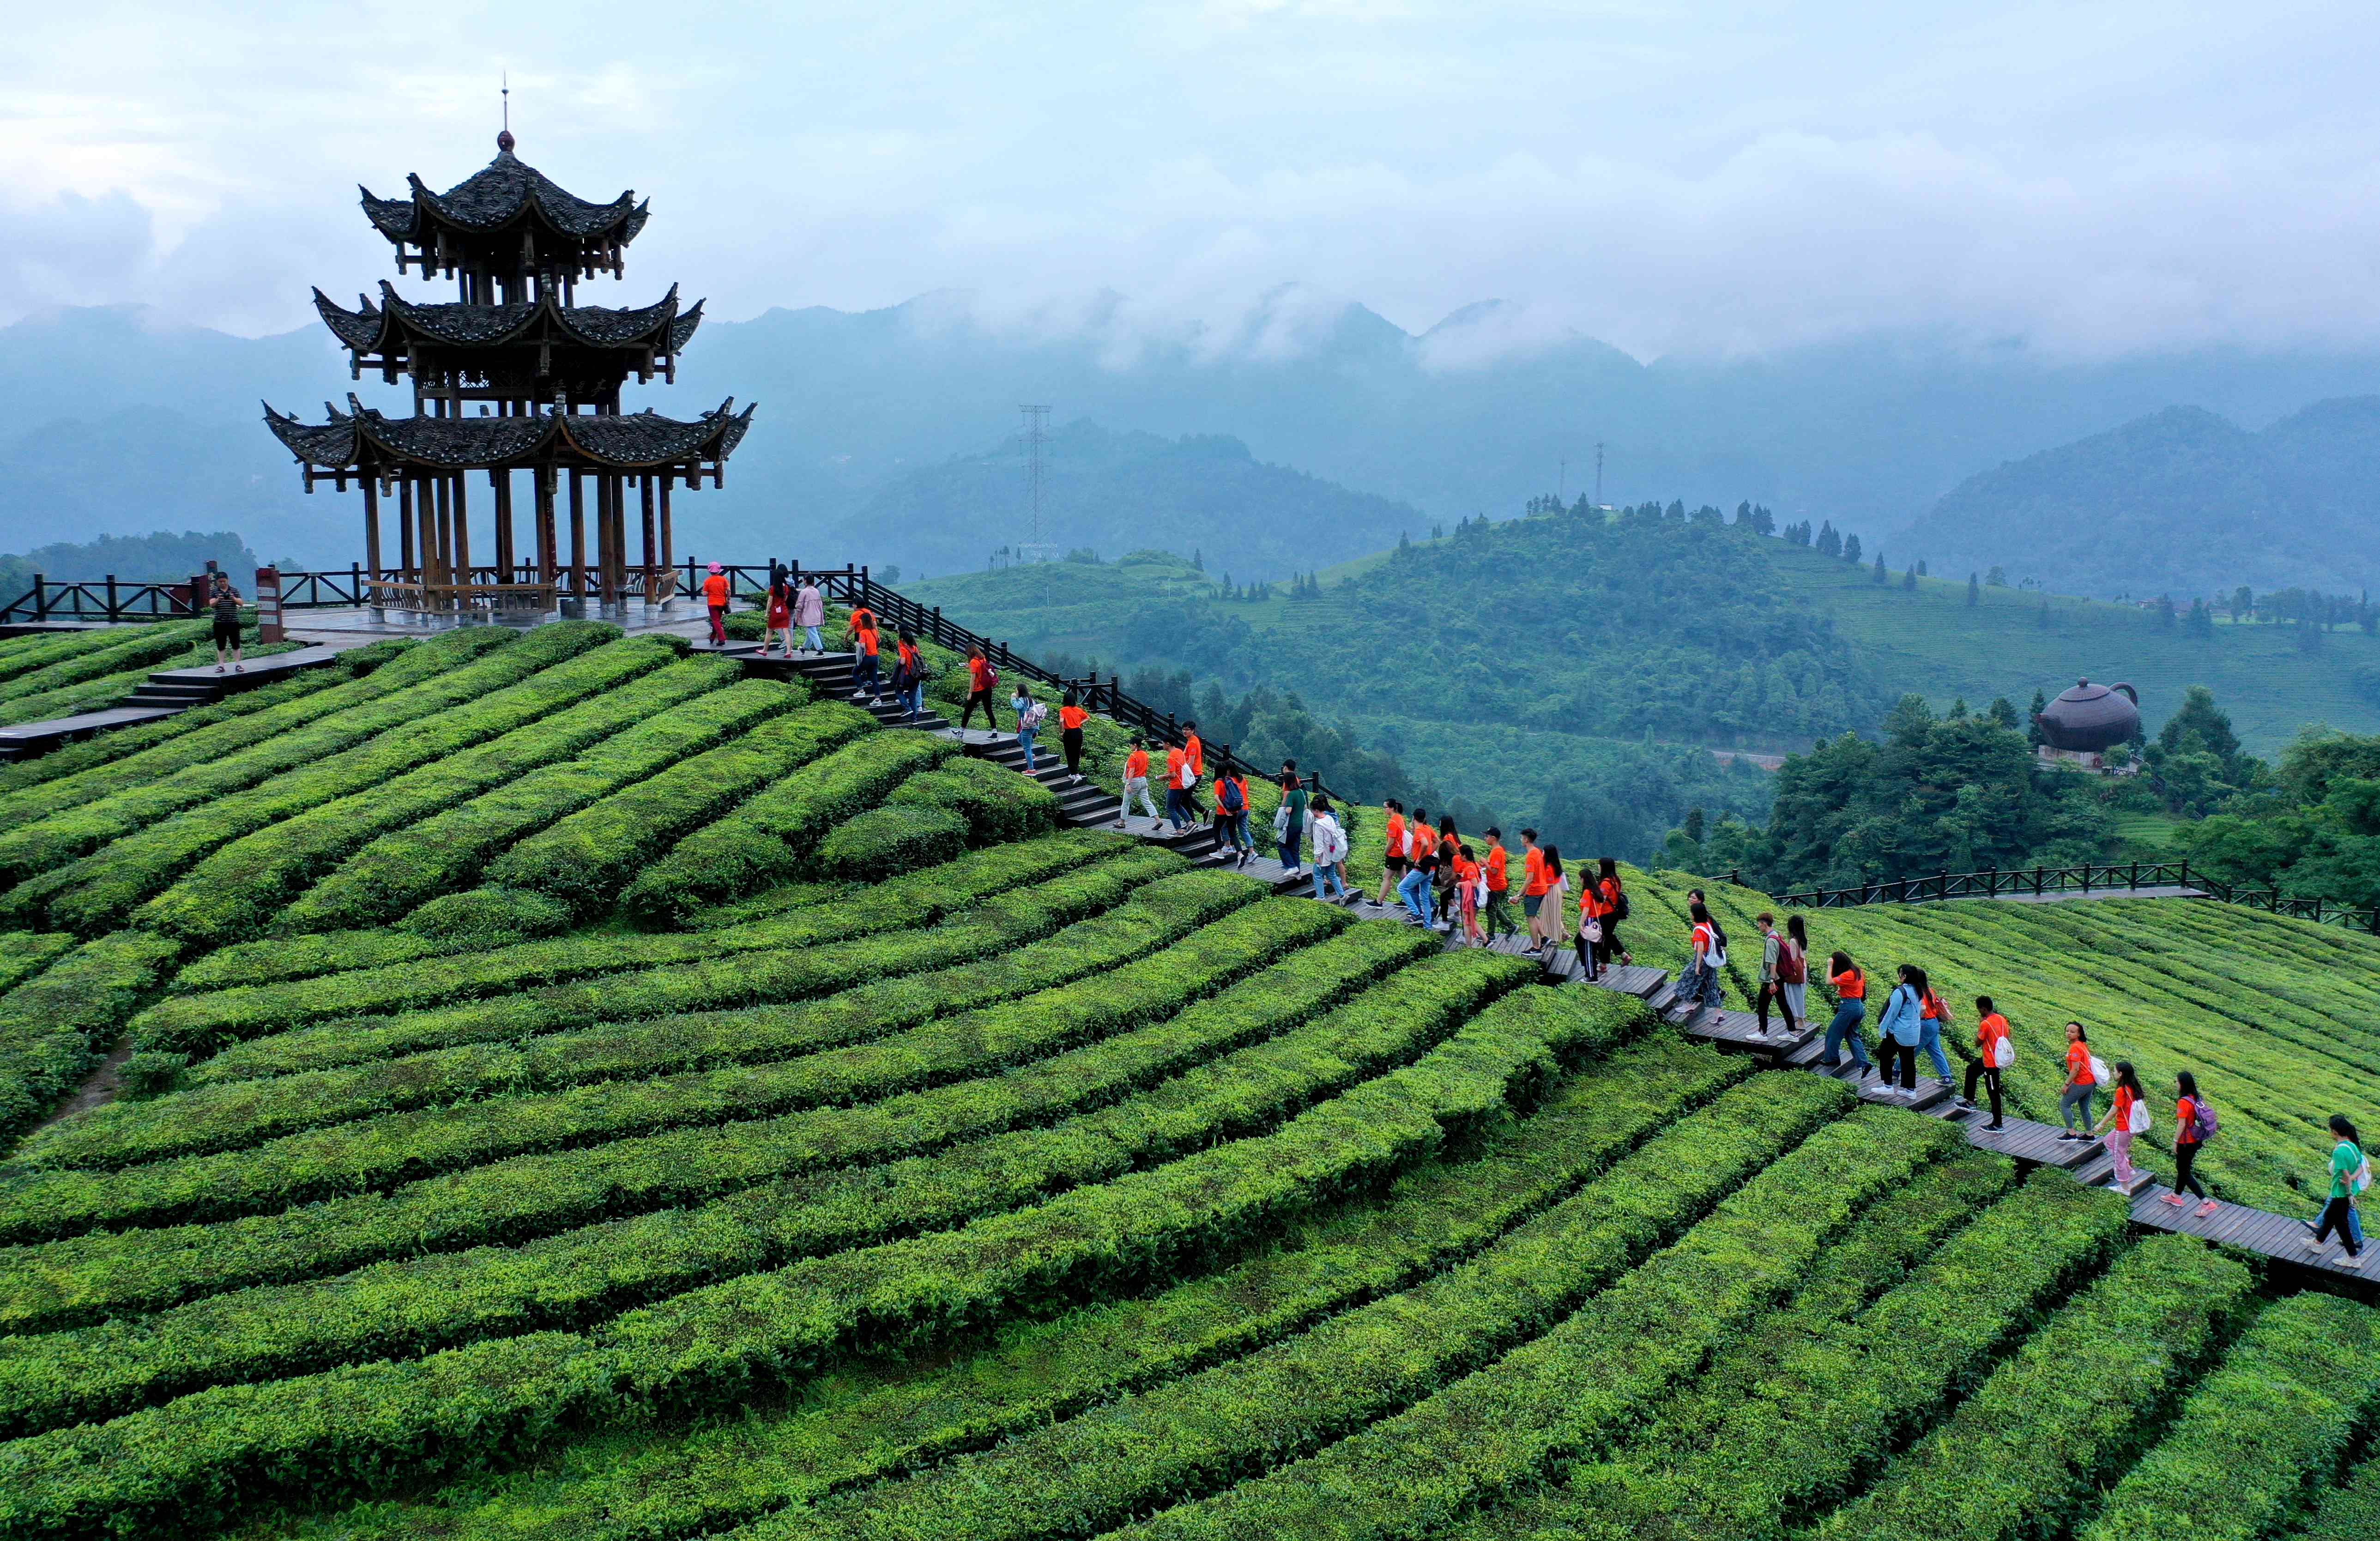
<point>2182,503</point>
<point>157,558</point>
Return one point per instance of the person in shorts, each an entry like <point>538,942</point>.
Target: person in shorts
<point>227,606</point>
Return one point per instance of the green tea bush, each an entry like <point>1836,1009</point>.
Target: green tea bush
<point>998,804</point>
<point>2280,1412</point>
<point>484,916</point>
<point>885,841</point>
<point>2035,1443</point>
<point>559,712</point>
<point>51,1023</point>
<point>763,841</point>
<point>128,648</point>
<point>680,710</point>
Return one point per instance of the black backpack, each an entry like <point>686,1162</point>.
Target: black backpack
<point>1620,905</point>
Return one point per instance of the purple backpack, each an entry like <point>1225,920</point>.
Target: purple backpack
<point>2202,1114</point>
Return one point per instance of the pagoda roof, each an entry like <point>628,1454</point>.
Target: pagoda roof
<point>506,192</point>
<point>364,439</point>
<point>397,325</point>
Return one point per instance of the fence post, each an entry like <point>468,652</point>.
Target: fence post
<point>40,598</point>
<point>110,597</point>
<point>2086,877</point>
<point>2136,874</point>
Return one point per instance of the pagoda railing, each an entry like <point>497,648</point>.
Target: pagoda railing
<point>2024,882</point>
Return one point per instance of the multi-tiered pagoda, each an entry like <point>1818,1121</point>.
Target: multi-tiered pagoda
<point>512,376</point>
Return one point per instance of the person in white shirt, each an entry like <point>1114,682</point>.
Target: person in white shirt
<point>1330,851</point>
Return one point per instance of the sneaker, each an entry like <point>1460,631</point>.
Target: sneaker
<point>240,668</point>
<point>2174,1199</point>
<point>1994,1128</point>
<point>2354,1260</point>
<point>1963,1102</point>
<point>2308,1225</point>
<point>1119,823</point>
<point>2313,1245</point>
<point>2206,1209</point>
<point>219,668</point>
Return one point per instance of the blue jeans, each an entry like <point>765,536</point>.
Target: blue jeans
<point>1234,827</point>
<point>1024,737</point>
<point>1699,987</point>
<point>1329,875</point>
<point>1849,1014</point>
<point>914,698</point>
<point>1929,1038</point>
<point>1177,807</point>
<point>816,646</point>
<point>1289,849</point>
<point>1416,892</point>
<point>2077,1094</point>
<point>864,678</point>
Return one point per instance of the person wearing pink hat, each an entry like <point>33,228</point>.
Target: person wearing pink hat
<point>714,594</point>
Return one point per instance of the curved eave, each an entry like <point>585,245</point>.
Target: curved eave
<point>370,442</point>
<point>360,331</point>
<point>643,441</point>
<point>653,327</point>
<point>506,193</point>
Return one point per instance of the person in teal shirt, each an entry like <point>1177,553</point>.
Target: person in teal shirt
<point>2348,1175</point>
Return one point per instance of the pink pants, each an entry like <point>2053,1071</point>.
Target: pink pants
<point>2120,1145</point>
<point>717,623</point>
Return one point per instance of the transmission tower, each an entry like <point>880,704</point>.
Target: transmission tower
<point>1598,473</point>
<point>1035,417</point>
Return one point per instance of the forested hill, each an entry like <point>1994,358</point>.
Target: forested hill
<point>1103,492</point>
<point>1662,625</point>
<point>2182,503</point>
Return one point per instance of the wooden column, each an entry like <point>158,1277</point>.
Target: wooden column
<point>578,537</point>
<point>645,484</point>
<point>501,483</point>
<point>613,558</point>
<point>425,503</point>
<point>461,530</point>
<point>371,526</point>
<point>404,572</point>
<point>546,562</point>
<point>668,558</point>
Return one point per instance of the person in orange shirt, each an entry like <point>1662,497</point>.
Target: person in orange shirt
<point>1466,889</point>
<point>2127,1115</point>
<point>2081,1084</point>
<point>908,675</point>
<point>981,678</point>
<point>1614,901</point>
<point>714,599</point>
<point>1421,840</point>
<point>1496,871</point>
<point>871,686</point>
<point>1533,879</point>
<point>1392,864</point>
<point>1197,752</point>
<point>1071,718</point>
<point>1994,1050</point>
<point>1850,1010</point>
<point>1135,784</point>
<point>1177,797</point>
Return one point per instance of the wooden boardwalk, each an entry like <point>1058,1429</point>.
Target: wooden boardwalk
<point>164,694</point>
<point>2276,1237</point>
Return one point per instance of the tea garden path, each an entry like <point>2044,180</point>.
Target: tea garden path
<point>2276,1237</point>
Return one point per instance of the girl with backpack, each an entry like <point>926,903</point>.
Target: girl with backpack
<point>1700,987</point>
<point>1553,911</point>
<point>1615,910</point>
<point>1030,715</point>
<point>1901,1025</point>
<point>2081,1082</point>
<point>1330,844</point>
<point>1850,1010</point>
<point>2193,1119</point>
<point>1793,968</point>
<point>1995,1052</point>
<point>908,674</point>
<point>2350,1173</point>
<point>1231,814</point>
<point>2127,1115</point>
<point>981,678</point>
<point>1071,718</point>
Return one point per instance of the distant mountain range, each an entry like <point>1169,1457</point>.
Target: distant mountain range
<point>2181,502</point>
<point>113,420</point>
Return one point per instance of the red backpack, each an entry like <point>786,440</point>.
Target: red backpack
<point>1790,966</point>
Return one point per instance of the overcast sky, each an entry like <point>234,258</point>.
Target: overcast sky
<point>2091,178</point>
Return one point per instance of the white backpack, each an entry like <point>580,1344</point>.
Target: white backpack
<point>2100,1074</point>
<point>1715,954</point>
<point>2003,1051</point>
<point>2139,1121</point>
<point>2361,1180</point>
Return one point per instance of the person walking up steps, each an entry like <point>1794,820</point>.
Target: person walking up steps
<point>1288,819</point>
<point>809,614</point>
<point>868,684</point>
<point>1554,904</point>
<point>1232,815</point>
<point>2128,1114</point>
<point>908,675</point>
<point>1497,878</point>
<point>1417,891</point>
<point>1135,783</point>
<point>1030,714</point>
<point>1850,1010</point>
<point>1177,807</point>
<point>1533,884</point>
<point>227,628</point>
<point>1995,1052</point>
<point>1773,950</point>
<point>1589,937</point>
<point>2350,1174</point>
<point>2082,1076</point>
<point>1466,888</point>
<point>1071,718</point>
<point>1793,969</point>
<point>1933,1017</point>
<point>1899,1030</point>
<point>714,600</point>
<point>1615,910</point>
<point>2193,1125</point>
<point>1706,945</point>
<point>981,679</point>
<point>777,621</point>
<point>1393,859</point>
<point>1450,858</point>
<point>1196,750</point>
<point>1330,852</point>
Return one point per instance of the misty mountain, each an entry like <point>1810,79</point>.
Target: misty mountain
<point>1118,493</point>
<point>2181,502</point>
<point>117,420</point>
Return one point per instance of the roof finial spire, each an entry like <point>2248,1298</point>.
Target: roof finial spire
<point>505,134</point>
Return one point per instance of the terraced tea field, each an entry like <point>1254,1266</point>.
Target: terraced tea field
<point>554,1086</point>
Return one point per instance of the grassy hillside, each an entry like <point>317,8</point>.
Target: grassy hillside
<point>575,1092</point>
<point>1344,657</point>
